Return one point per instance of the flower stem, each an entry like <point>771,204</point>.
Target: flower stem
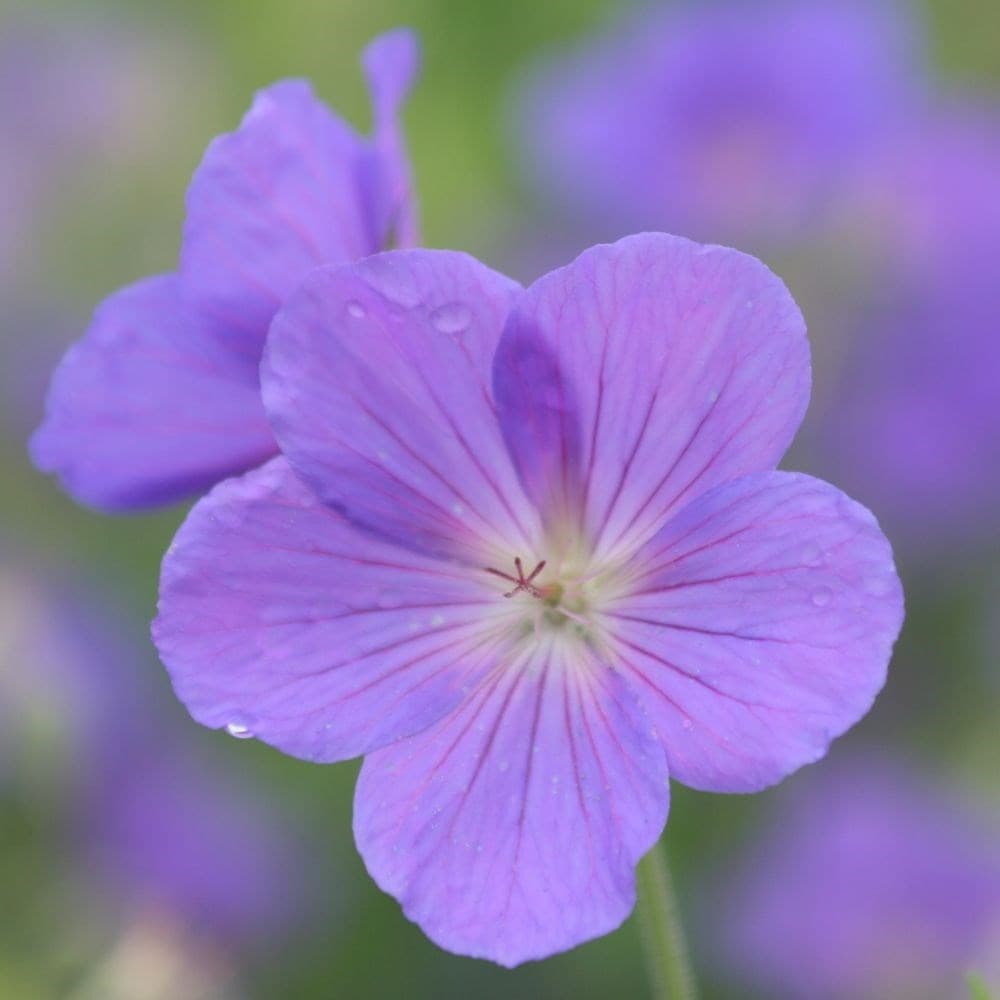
<point>667,961</point>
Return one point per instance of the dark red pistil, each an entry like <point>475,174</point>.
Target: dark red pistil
<point>521,582</point>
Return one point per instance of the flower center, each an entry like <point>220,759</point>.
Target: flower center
<point>564,604</point>
<point>521,582</point>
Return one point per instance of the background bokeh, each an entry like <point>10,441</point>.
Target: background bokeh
<point>143,856</point>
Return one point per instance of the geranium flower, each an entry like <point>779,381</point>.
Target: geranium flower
<point>161,398</point>
<point>730,122</point>
<point>529,552</point>
<point>869,883</point>
<point>913,423</point>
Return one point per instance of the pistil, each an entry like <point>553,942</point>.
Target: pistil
<point>522,582</point>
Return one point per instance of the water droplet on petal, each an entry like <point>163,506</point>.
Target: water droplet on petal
<point>452,318</point>
<point>503,765</point>
<point>356,310</point>
<point>686,723</point>
<point>437,620</point>
<point>239,730</point>
<point>822,596</point>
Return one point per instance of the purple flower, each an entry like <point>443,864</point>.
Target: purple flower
<point>528,550</point>
<point>870,884</point>
<point>156,828</point>
<point>164,833</point>
<point>161,397</point>
<point>914,423</point>
<point>732,122</point>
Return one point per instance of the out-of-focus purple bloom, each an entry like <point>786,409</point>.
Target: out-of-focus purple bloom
<point>158,830</point>
<point>529,551</point>
<point>168,835</point>
<point>870,886</point>
<point>914,423</point>
<point>160,399</point>
<point>730,122</point>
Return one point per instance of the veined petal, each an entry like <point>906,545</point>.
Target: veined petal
<point>376,381</point>
<point>391,63</point>
<point>152,404</point>
<point>279,620</point>
<point>759,626</point>
<point>295,187</point>
<point>643,374</point>
<point>271,201</point>
<point>511,829</point>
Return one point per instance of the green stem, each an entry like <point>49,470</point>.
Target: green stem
<point>667,961</point>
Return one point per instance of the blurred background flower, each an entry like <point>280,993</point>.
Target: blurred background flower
<point>729,122</point>
<point>149,837</point>
<point>869,881</point>
<point>854,145</point>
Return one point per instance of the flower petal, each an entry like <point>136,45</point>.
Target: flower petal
<point>391,64</point>
<point>279,620</point>
<point>294,187</point>
<point>152,404</point>
<point>644,373</point>
<point>760,624</point>
<point>511,829</point>
<point>376,382</point>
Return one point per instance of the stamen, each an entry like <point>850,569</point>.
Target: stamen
<point>521,581</point>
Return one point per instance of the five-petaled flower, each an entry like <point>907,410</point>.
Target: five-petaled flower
<point>161,398</point>
<point>528,551</point>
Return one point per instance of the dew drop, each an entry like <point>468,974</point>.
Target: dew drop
<point>239,730</point>
<point>503,765</point>
<point>356,310</point>
<point>686,723</point>
<point>713,396</point>
<point>452,318</point>
<point>822,596</point>
<point>437,620</point>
